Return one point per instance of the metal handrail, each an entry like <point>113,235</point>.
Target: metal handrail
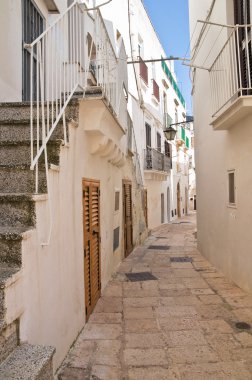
<point>59,66</point>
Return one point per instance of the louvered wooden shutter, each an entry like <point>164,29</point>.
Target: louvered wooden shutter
<point>128,217</point>
<point>91,229</point>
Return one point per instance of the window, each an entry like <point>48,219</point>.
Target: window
<point>167,149</point>
<point>231,187</point>
<point>158,142</point>
<point>116,238</point>
<point>148,135</point>
<point>117,200</point>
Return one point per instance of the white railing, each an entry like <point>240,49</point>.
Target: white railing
<point>61,60</point>
<point>231,72</point>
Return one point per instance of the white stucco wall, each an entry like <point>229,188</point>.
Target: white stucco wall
<point>223,232</point>
<point>48,294</point>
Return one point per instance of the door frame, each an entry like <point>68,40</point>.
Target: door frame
<point>127,250</point>
<point>90,308</point>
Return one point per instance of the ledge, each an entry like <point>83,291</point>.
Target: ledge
<point>155,175</point>
<point>238,110</point>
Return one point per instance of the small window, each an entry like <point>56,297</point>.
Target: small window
<point>231,187</point>
<point>148,135</point>
<point>116,238</point>
<point>117,200</point>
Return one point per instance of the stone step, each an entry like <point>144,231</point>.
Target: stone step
<point>20,179</point>
<point>28,362</point>
<point>20,112</point>
<point>6,272</point>
<point>19,152</point>
<point>22,132</point>
<point>8,339</point>
<point>11,244</point>
<point>17,210</point>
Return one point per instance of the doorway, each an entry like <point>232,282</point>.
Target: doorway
<point>91,231</point>
<point>33,26</point>
<point>194,203</point>
<point>168,205</point>
<point>145,206</point>
<point>127,217</point>
<point>178,201</point>
<point>186,201</point>
<point>162,208</point>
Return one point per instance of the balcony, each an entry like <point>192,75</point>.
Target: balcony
<point>143,71</point>
<point>156,164</point>
<point>155,90</point>
<point>231,79</point>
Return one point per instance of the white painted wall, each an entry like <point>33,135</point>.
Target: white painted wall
<point>223,232</point>
<point>48,294</point>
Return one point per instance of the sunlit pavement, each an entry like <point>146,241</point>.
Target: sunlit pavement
<point>181,325</point>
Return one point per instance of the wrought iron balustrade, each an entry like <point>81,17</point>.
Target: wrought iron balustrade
<point>155,160</point>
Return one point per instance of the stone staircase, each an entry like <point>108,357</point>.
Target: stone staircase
<point>17,215</point>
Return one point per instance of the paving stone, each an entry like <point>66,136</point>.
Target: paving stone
<point>145,340</point>
<point>186,338</point>
<point>223,345</point>
<point>81,355</point>
<point>107,353</point>
<point>113,289</point>
<point>215,371</point>
<point>100,372</point>
<point>184,273</point>
<point>74,374</point>
<point>182,265</point>
<point>210,299</point>
<point>109,305</point>
<point>166,301</point>
<point>239,302</point>
<point>195,283</point>
<point>244,315</point>
<point>138,312</point>
<point>141,302</point>
<point>192,354</point>
<point>178,323</point>
<point>171,286</point>
<point>198,292</point>
<point>244,338</point>
<point>154,373</point>
<point>187,300</point>
<point>176,311</point>
<point>144,357</point>
<point>141,325</point>
<point>102,331</point>
<point>216,326</point>
<point>215,312</point>
<point>105,318</point>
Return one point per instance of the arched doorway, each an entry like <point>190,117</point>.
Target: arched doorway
<point>178,201</point>
<point>168,205</point>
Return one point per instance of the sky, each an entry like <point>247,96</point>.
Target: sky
<point>171,22</point>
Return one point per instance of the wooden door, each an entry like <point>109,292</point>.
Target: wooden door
<point>145,206</point>
<point>162,208</point>
<point>127,217</point>
<point>178,200</point>
<point>91,230</point>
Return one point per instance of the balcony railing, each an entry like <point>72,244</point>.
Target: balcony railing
<point>155,90</point>
<point>143,71</point>
<point>155,160</point>
<point>231,72</point>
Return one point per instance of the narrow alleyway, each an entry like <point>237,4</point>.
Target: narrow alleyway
<point>181,325</point>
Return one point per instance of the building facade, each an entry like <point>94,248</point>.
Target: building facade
<point>67,223</point>
<point>221,71</point>
<point>155,103</point>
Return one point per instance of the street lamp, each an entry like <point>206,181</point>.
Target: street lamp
<point>170,133</point>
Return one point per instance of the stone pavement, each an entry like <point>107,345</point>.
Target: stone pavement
<point>180,326</point>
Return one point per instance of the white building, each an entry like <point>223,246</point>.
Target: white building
<point>67,224</point>
<point>221,61</point>
<point>155,102</point>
